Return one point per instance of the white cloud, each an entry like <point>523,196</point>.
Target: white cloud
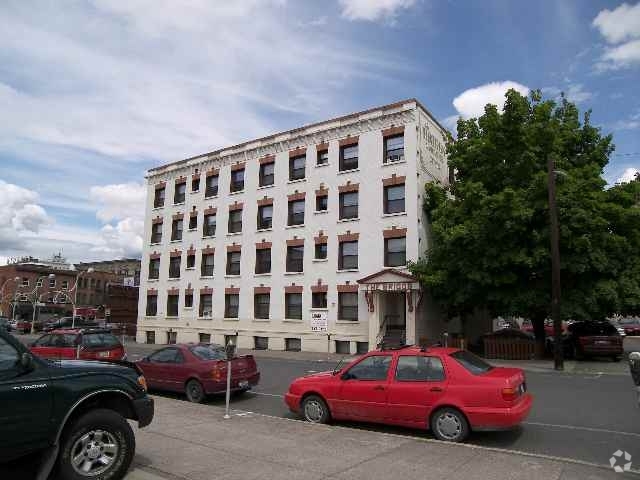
<point>622,23</point>
<point>20,214</point>
<point>574,92</point>
<point>628,175</point>
<point>373,10</point>
<point>471,103</point>
<point>619,27</point>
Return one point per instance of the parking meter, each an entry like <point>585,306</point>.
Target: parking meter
<point>634,366</point>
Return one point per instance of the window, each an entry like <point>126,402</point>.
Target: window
<point>319,300</point>
<point>233,263</point>
<point>237,180</point>
<point>261,343</point>
<point>52,283</point>
<point>235,221</point>
<point>261,305</point>
<point>296,167</point>
<point>172,305</point>
<point>25,282</point>
<point>151,337</point>
<point>266,176</point>
<point>265,217</point>
<point>348,306</point>
<point>191,260</point>
<point>362,347</point>
<point>292,344</point>
<point>231,303</point>
<point>296,212</point>
<point>156,233</point>
<point>152,305</point>
<point>375,367</point>
<point>193,222</point>
<point>394,199</point>
<point>179,194</point>
<point>65,284</point>
<point>8,356</point>
<point>174,267</point>
<point>188,300</point>
<point>322,203</point>
<point>348,255</point>
<point>207,353</point>
<point>166,355</point>
<point>348,157</point>
<point>195,184</point>
<point>395,252</point>
<point>154,269</point>
<point>322,158</point>
<point>293,305</point>
<point>209,225</point>
<point>158,199</point>
<point>176,230</point>
<point>348,205</point>
<point>394,148</point>
<point>263,260</point>
<point>206,305</point>
<point>207,264</point>
<point>321,251</point>
<point>343,347</point>
<point>413,368</point>
<point>471,362</point>
<point>211,188</point>
<point>172,338</point>
<point>295,258</point>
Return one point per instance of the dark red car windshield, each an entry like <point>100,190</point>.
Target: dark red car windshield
<point>204,352</point>
<point>471,363</point>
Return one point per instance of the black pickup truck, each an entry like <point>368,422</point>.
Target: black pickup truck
<point>69,414</point>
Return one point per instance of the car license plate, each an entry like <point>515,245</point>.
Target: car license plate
<point>243,384</point>
<point>103,354</point>
<point>602,342</point>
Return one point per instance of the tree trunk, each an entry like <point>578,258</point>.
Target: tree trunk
<point>538,331</point>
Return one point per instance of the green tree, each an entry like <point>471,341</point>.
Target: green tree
<point>490,227</point>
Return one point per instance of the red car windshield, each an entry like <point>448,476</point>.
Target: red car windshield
<point>471,363</point>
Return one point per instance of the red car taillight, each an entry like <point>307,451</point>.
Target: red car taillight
<point>510,394</point>
<point>218,372</point>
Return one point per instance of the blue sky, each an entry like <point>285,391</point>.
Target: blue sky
<point>96,93</point>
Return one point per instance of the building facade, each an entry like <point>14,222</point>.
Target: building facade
<point>127,270</point>
<point>295,241</point>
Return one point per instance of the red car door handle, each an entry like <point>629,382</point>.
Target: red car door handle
<point>436,389</point>
<point>378,387</point>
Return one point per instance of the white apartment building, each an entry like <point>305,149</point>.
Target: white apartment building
<point>298,240</point>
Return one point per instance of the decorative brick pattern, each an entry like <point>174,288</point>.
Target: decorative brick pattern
<point>181,180</point>
<point>213,172</point>
<point>234,248</point>
<point>191,251</point>
<point>208,250</point>
<point>173,291</point>
<point>322,191</point>
<point>348,237</point>
<point>349,187</point>
<point>178,216</point>
<point>154,256</point>
<point>175,253</point>
<point>348,288</point>
<point>232,290</point>
<point>297,152</point>
<point>188,291</point>
<point>265,201</point>
<point>295,242</point>
<point>152,292</point>
<point>348,141</point>
<point>319,288</point>
<point>322,146</point>
<point>235,206</point>
<point>263,245</point>
<point>257,290</point>
<point>389,132</point>
<point>193,213</point>
<point>267,159</point>
<point>293,289</point>
<point>237,166</point>
<point>206,291</point>
<point>160,185</point>
<point>296,196</point>
<point>394,180</point>
<point>211,210</point>
<point>156,220</point>
<point>395,232</point>
<point>195,176</point>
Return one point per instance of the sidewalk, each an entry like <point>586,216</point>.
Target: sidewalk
<point>193,442</point>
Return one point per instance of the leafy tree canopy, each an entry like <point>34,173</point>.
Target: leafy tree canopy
<point>490,227</point>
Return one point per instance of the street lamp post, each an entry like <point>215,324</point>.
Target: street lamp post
<point>6,282</point>
<point>36,297</point>
<point>558,360</point>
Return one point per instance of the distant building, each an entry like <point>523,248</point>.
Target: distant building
<point>284,240</point>
<point>126,269</point>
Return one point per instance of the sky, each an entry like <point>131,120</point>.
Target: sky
<point>94,93</point>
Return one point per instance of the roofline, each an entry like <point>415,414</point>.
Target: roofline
<point>388,270</point>
<point>389,106</point>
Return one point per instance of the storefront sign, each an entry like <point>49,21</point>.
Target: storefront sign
<point>391,286</point>
<point>319,321</point>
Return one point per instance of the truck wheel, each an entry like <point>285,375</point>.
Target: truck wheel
<point>99,445</point>
<point>194,391</point>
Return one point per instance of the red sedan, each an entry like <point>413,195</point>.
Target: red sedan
<point>447,390</point>
<point>198,370</point>
<point>85,344</point>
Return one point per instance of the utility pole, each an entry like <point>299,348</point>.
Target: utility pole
<point>558,360</point>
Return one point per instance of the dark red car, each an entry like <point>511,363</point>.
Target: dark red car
<point>84,344</point>
<point>198,370</point>
<point>447,390</point>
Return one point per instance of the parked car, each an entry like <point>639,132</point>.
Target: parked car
<point>630,325</point>
<point>198,370</point>
<point>73,412</point>
<point>591,339</point>
<point>447,390</point>
<point>85,344</point>
<point>549,329</point>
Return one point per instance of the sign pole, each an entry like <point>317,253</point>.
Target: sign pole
<point>228,398</point>
<point>328,346</point>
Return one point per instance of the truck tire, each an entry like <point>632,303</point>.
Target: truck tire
<point>99,445</point>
